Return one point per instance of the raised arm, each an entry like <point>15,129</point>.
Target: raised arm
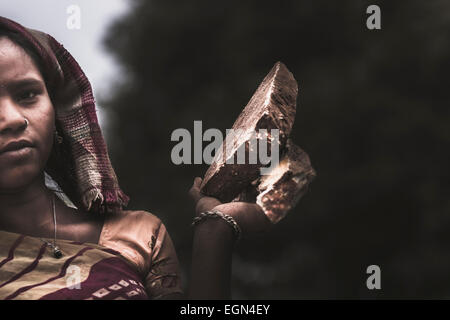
<point>213,243</point>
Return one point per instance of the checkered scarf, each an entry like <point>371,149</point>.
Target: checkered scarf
<point>80,164</point>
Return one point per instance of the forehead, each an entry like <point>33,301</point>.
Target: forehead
<point>15,62</point>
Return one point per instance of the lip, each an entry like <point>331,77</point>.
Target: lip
<point>16,145</point>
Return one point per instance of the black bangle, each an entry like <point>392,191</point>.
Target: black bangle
<point>217,214</point>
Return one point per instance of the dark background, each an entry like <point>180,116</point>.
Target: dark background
<point>373,114</point>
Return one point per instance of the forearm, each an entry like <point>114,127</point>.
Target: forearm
<point>211,260</point>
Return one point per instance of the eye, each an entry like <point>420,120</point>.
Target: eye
<point>27,96</point>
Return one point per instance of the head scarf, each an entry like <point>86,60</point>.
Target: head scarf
<point>80,164</point>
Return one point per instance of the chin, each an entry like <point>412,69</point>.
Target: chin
<point>18,178</point>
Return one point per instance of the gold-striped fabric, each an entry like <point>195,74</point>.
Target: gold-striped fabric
<point>29,270</point>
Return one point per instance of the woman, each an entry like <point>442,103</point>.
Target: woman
<point>94,249</point>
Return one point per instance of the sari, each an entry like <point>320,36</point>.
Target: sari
<point>133,260</point>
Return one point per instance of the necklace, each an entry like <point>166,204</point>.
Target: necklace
<point>56,251</point>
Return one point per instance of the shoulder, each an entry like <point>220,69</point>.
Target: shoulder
<point>142,238</point>
<point>134,235</point>
<point>133,221</point>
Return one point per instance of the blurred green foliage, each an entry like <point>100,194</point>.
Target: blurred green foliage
<point>373,114</point>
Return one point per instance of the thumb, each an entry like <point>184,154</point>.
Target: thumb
<point>194,192</point>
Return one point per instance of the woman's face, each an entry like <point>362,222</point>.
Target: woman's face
<point>24,145</point>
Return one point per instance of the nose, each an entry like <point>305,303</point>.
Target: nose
<point>11,118</point>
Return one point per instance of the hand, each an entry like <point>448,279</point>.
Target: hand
<point>249,216</point>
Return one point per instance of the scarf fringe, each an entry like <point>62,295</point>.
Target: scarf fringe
<point>92,196</point>
<point>108,202</point>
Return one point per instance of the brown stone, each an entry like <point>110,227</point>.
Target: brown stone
<point>281,189</point>
<point>272,106</point>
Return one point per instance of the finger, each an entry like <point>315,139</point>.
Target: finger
<point>194,192</point>
<point>197,182</point>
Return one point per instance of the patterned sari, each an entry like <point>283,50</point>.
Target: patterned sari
<point>125,266</point>
<point>86,271</point>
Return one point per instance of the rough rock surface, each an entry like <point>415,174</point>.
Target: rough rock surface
<point>282,188</point>
<point>272,106</point>
<point>278,191</point>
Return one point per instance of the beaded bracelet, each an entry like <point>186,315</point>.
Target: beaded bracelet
<point>217,214</point>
